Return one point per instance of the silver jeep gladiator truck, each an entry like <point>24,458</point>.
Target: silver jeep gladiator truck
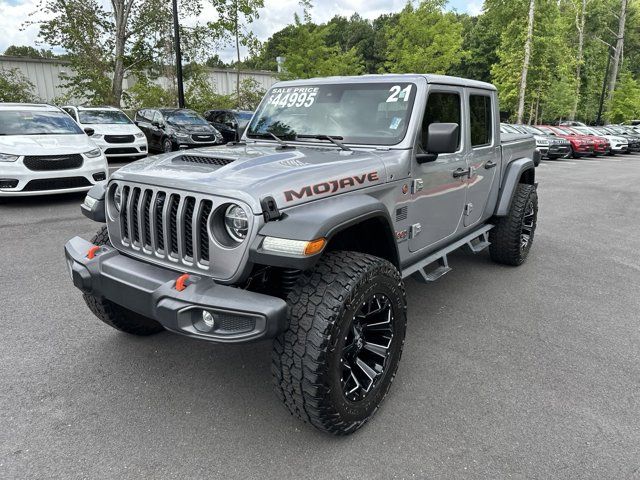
<point>304,230</point>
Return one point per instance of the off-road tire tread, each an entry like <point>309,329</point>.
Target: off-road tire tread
<point>299,365</point>
<point>505,236</point>
<point>113,314</point>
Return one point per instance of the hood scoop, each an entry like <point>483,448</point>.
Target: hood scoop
<point>203,160</point>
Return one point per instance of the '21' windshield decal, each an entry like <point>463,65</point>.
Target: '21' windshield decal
<point>396,93</point>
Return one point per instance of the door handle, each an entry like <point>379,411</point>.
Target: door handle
<point>490,164</point>
<point>461,172</point>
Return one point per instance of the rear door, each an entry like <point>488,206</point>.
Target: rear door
<point>439,188</point>
<point>484,152</point>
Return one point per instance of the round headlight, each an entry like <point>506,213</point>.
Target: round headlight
<point>117,198</point>
<point>236,222</point>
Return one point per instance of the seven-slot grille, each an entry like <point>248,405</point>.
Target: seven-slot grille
<point>119,138</point>
<point>53,162</point>
<point>173,225</point>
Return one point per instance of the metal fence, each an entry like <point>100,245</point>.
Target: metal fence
<point>45,75</point>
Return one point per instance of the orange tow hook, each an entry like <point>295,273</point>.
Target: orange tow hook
<point>92,252</point>
<point>180,282</point>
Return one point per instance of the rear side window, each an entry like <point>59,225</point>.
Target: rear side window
<point>442,107</point>
<point>480,118</point>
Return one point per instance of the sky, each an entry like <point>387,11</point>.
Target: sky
<point>275,16</point>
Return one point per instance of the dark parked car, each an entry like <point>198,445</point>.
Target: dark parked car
<point>168,129</point>
<point>230,123</point>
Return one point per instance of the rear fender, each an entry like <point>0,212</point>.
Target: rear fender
<point>518,171</point>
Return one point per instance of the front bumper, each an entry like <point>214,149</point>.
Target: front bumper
<point>137,148</point>
<point>16,180</point>
<point>555,151</point>
<point>240,315</point>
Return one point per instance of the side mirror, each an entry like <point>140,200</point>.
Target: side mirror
<point>89,131</point>
<point>233,125</point>
<point>157,124</point>
<point>441,138</point>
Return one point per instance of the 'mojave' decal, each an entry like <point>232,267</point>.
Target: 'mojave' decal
<point>331,186</point>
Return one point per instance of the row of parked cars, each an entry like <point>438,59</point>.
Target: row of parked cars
<point>46,149</point>
<point>574,139</point>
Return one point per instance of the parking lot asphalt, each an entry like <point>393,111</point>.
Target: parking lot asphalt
<point>507,372</point>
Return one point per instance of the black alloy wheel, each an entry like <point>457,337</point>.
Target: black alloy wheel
<point>367,347</point>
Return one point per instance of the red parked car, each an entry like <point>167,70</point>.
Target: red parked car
<point>602,144</point>
<point>581,145</point>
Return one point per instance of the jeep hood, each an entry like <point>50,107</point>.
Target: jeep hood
<point>252,172</point>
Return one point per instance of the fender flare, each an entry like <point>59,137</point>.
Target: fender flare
<point>97,211</point>
<point>321,219</point>
<point>511,179</point>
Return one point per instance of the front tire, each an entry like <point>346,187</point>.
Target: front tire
<point>113,314</point>
<point>167,145</point>
<point>334,364</point>
<point>512,236</point>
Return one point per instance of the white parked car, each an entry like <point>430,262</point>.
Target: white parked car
<point>43,151</point>
<point>114,132</point>
<point>618,144</point>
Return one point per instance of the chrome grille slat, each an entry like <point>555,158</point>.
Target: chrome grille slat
<point>124,217</point>
<point>139,237</point>
<point>151,216</point>
<point>206,208</point>
<point>180,227</point>
<point>187,217</point>
<point>130,220</point>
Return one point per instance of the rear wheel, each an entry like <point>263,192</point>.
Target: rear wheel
<point>113,314</point>
<point>512,236</point>
<point>335,363</point>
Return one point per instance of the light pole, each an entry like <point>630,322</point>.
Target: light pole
<point>176,40</point>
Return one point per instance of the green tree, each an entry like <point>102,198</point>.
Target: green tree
<point>146,94</point>
<point>16,87</point>
<point>234,19</point>
<point>625,103</point>
<point>106,43</point>
<point>28,51</point>
<point>308,55</point>
<point>425,40</point>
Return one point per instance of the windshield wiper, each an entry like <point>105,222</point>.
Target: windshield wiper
<point>283,145</point>
<point>332,139</point>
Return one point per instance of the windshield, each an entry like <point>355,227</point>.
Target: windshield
<point>185,117</point>
<point>504,128</point>
<point>566,131</point>
<point>364,113</point>
<point>103,116</point>
<point>534,130</point>
<point>24,122</point>
<point>586,130</point>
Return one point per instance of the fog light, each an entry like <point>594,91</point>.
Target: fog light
<point>208,320</point>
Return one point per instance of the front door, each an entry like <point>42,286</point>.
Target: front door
<point>484,152</point>
<point>438,201</point>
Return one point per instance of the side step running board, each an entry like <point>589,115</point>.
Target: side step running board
<point>475,242</point>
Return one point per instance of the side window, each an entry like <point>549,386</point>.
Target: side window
<point>140,116</point>
<point>442,107</point>
<point>71,113</point>
<point>157,118</point>
<point>481,123</point>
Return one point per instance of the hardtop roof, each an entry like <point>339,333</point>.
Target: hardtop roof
<point>391,77</point>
